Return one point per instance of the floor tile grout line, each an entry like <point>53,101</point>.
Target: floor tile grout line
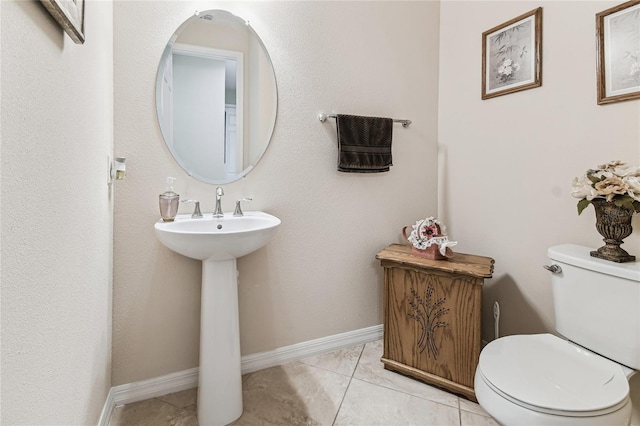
<point>344,395</point>
<point>323,368</point>
<point>358,361</point>
<point>348,385</point>
<point>457,407</point>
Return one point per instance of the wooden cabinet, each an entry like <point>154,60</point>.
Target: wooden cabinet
<point>432,316</point>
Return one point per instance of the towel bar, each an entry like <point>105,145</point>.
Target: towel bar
<point>323,117</point>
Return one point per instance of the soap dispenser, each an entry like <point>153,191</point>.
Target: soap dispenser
<point>169,201</point>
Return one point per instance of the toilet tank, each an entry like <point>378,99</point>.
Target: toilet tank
<point>597,303</point>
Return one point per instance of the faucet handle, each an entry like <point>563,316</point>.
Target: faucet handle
<point>238,210</point>
<point>219,191</point>
<point>196,211</point>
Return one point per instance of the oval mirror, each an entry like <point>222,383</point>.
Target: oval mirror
<point>216,97</point>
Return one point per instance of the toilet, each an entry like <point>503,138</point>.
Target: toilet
<point>583,377</point>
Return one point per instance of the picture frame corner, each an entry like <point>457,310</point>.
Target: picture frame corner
<point>70,16</point>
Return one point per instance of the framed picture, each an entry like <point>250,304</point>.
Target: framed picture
<point>618,53</point>
<point>512,55</point>
<point>70,16</point>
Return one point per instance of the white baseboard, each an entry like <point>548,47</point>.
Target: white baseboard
<point>187,379</point>
<point>262,360</point>
<point>107,410</point>
<point>158,386</point>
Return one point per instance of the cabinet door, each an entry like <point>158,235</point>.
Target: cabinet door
<point>432,322</point>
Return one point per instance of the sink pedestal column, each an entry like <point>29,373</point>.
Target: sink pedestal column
<point>220,380</point>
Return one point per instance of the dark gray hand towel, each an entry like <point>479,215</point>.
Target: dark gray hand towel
<point>364,143</point>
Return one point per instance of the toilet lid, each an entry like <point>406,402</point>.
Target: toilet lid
<point>549,373</point>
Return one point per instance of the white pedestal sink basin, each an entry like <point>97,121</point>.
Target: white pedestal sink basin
<point>218,242</point>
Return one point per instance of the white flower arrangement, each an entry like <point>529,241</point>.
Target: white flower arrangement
<point>615,182</point>
<point>507,68</point>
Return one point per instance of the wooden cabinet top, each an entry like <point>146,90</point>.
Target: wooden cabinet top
<point>460,263</point>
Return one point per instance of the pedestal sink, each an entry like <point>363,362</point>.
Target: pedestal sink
<point>218,242</point>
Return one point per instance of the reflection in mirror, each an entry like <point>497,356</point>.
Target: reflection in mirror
<point>216,97</point>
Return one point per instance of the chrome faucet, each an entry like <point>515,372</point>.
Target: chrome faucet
<point>238,210</point>
<point>218,210</point>
<point>197,214</point>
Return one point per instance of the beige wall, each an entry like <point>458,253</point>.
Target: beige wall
<point>57,131</point>
<point>319,276</point>
<point>508,162</point>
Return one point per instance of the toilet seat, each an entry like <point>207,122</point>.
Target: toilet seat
<point>549,375</point>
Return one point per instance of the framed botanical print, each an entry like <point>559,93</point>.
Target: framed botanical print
<point>618,53</point>
<point>512,55</point>
<point>70,16</point>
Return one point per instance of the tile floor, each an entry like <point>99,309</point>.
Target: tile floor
<point>346,387</point>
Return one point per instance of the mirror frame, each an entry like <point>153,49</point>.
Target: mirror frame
<point>269,133</point>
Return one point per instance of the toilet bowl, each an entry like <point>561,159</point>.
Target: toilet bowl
<point>542,379</point>
<point>583,378</point>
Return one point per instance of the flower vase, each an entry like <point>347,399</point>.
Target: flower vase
<point>614,224</point>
